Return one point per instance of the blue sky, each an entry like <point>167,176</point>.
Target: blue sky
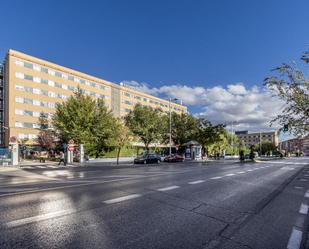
<point>200,45</point>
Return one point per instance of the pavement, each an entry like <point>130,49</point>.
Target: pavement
<point>222,205</point>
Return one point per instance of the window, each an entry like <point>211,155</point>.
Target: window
<point>19,63</point>
<point>19,100</point>
<point>71,88</point>
<point>36,114</point>
<point>27,125</point>
<point>145,99</point>
<point>128,102</point>
<point>44,92</point>
<point>36,91</point>
<point>102,87</point>
<point>28,77</point>
<point>70,77</point>
<point>28,89</point>
<point>44,70</point>
<point>44,81</point>
<point>51,94</point>
<point>51,72</point>
<point>51,83</point>
<point>127,94</point>
<point>64,86</point>
<point>58,74</point>
<point>37,79</point>
<point>19,75</point>
<point>28,101</point>
<point>19,112</point>
<point>28,113</point>
<point>92,84</point>
<point>59,85</point>
<point>44,103</point>
<point>36,102</point>
<point>82,81</point>
<point>51,105</point>
<point>18,124</point>
<point>19,88</point>
<point>28,65</point>
<point>36,68</point>
<point>138,97</point>
<point>127,110</point>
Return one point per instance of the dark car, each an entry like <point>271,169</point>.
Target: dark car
<point>174,158</point>
<point>148,158</point>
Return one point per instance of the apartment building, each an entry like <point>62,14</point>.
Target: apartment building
<point>29,86</point>
<point>296,145</point>
<point>255,138</point>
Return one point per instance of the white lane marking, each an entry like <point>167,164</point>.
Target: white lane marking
<point>249,170</point>
<point>167,188</point>
<point>307,194</point>
<point>196,182</point>
<point>37,218</point>
<point>123,198</point>
<point>298,187</point>
<point>303,180</point>
<point>230,174</point>
<point>241,172</point>
<point>303,209</point>
<point>295,239</point>
<point>216,177</point>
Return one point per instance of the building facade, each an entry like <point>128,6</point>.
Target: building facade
<point>250,139</point>
<point>30,86</point>
<point>296,145</point>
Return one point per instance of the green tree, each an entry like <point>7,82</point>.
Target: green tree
<point>122,137</point>
<point>184,128</point>
<point>146,123</point>
<point>267,147</point>
<point>46,137</point>
<point>208,135</point>
<point>290,84</point>
<point>85,120</point>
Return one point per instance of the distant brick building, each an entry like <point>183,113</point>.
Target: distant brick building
<point>300,144</point>
<point>255,138</point>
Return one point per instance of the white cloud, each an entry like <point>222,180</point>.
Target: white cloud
<point>248,108</point>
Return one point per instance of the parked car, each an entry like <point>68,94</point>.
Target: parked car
<point>174,158</point>
<point>148,158</point>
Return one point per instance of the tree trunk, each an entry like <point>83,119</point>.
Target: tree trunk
<point>118,153</point>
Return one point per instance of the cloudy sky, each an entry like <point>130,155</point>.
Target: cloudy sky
<point>213,55</point>
<point>247,108</point>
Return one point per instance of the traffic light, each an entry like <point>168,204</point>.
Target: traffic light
<point>285,128</point>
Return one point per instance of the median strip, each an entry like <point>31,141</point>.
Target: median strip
<point>123,198</point>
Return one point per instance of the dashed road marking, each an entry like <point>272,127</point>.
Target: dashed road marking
<point>37,218</point>
<point>295,239</point>
<point>249,170</point>
<point>303,209</point>
<point>303,180</point>
<point>196,182</point>
<point>216,177</point>
<point>167,188</point>
<point>241,172</point>
<point>298,187</point>
<point>123,198</point>
<point>230,174</point>
<point>307,194</point>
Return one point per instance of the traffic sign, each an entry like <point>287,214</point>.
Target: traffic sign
<point>13,140</point>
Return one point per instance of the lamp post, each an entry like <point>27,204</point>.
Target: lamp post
<point>170,114</point>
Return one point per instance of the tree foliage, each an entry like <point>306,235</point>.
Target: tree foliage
<point>184,128</point>
<point>46,137</point>
<point>85,120</point>
<point>292,86</point>
<point>210,136</point>
<point>146,123</point>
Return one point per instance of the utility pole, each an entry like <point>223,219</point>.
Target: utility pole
<point>170,142</point>
<point>260,143</point>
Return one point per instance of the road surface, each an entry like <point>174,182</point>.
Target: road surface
<point>192,205</point>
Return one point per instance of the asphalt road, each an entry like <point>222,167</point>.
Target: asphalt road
<point>192,205</point>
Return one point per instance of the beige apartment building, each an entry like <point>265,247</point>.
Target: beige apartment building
<point>30,85</point>
<point>255,138</point>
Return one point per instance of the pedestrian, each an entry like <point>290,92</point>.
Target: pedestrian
<point>62,159</point>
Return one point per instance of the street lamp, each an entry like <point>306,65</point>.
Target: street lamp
<point>170,113</point>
